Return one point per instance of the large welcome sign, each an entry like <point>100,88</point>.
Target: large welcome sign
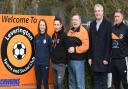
<point>16,60</point>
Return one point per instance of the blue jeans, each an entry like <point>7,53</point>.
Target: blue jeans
<point>58,75</point>
<point>100,80</point>
<point>76,70</point>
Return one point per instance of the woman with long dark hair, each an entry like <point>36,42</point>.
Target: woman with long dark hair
<point>43,49</point>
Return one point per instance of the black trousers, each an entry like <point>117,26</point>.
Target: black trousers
<point>119,73</point>
<point>100,80</point>
<point>42,72</point>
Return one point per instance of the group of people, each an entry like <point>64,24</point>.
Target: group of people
<point>104,47</point>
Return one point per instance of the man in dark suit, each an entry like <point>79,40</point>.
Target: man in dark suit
<point>100,46</point>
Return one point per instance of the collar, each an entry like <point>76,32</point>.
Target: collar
<point>42,34</point>
<point>99,21</point>
<point>61,31</point>
<point>75,30</point>
<point>118,25</point>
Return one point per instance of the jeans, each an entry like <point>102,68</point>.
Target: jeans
<point>76,69</point>
<point>42,72</point>
<point>58,75</point>
<point>100,80</point>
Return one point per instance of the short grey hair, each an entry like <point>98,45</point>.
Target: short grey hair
<point>77,14</point>
<point>119,11</point>
<point>100,6</point>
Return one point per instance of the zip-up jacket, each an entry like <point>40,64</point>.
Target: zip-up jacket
<point>80,40</point>
<point>119,41</point>
<point>43,49</point>
<point>59,54</point>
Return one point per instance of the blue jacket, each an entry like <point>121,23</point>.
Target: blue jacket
<point>43,49</point>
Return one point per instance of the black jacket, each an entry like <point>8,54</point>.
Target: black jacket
<point>43,49</point>
<point>73,42</point>
<point>119,41</point>
<point>100,45</point>
<point>59,54</point>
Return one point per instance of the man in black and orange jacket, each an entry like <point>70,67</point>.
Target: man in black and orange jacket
<point>78,42</point>
<point>119,51</point>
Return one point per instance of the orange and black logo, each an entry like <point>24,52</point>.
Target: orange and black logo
<point>17,50</point>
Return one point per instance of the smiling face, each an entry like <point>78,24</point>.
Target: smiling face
<point>98,11</point>
<point>57,25</point>
<point>42,26</point>
<point>76,21</point>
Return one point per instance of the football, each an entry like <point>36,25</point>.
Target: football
<point>19,50</point>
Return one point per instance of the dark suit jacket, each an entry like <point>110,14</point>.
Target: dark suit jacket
<point>100,45</point>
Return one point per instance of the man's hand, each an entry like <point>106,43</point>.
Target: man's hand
<point>105,62</point>
<point>90,61</point>
<point>71,49</point>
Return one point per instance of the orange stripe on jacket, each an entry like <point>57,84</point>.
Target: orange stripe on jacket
<point>114,36</point>
<point>83,36</point>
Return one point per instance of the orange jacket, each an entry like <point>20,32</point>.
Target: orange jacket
<point>82,34</point>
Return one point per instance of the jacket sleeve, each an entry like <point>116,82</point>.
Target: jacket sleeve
<point>108,43</point>
<point>126,37</point>
<point>50,45</point>
<point>90,52</point>
<point>126,42</point>
<point>85,41</point>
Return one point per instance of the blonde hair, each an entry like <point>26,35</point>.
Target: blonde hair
<point>100,6</point>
